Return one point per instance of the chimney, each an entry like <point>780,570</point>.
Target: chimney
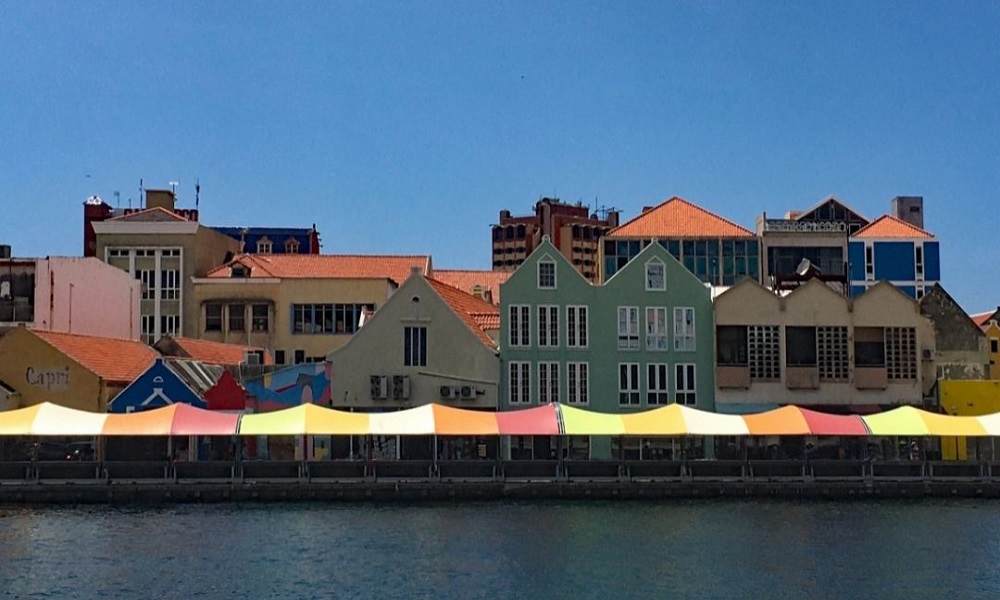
<point>613,218</point>
<point>909,209</point>
<point>161,198</point>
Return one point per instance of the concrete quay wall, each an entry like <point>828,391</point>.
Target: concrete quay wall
<point>154,493</point>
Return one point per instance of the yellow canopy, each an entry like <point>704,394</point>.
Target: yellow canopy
<point>305,419</point>
<point>666,420</point>
<point>904,421</point>
<point>577,421</point>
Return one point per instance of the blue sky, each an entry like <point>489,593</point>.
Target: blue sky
<point>406,127</point>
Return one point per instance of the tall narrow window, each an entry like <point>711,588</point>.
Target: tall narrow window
<point>918,261</point>
<point>260,315</point>
<point>170,284</point>
<point>548,326</point>
<point>655,277</point>
<point>548,382</point>
<point>147,326</point>
<point>520,326</point>
<point>579,383</point>
<point>684,329</point>
<point>684,384</point>
<point>546,275</point>
<point>657,390</point>
<point>519,382</point>
<point>576,326</point>
<point>869,262</point>
<point>237,317</point>
<point>764,352</point>
<point>628,327</point>
<point>213,316</point>
<point>901,352</point>
<point>148,279</point>
<point>831,353</point>
<point>170,325</point>
<point>656,328</point>
<point>415,346</point>
<point>628,384</point>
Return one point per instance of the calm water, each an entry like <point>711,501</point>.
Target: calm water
<point>705,549</point>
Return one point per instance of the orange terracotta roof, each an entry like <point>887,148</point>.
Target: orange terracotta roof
<point>113,360</point>
<point>477,314</point>
<point>983,319</point>
<point>888,226</point>
<point>468,280</point>
<point>325,266</point>
<point>678,218</point>
<point>216,353</point>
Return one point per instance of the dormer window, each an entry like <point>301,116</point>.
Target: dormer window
<point>655,276</point>
<point>239,271</point>
<point>264,246</point>
<point>292,246</point>
<point>546,275</point>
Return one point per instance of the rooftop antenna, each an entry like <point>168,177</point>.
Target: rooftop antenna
<point>173,187</point>
<point>140,194</point>
<point>118,199</point>
<point>197,192</point>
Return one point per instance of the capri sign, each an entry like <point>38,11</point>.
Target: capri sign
<point>50,379</point>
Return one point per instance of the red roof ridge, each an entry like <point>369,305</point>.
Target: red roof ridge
<point>867,230</point>
<point>474,312</point>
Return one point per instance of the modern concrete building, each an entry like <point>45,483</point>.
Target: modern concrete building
<point>641,340</point>
<point>807,244</point>
<point>300,307</point>
<point>718,252</point>
<point>163,249</point>
<point>68,295</point>
<point>816,348</point>
<point>572,229</point>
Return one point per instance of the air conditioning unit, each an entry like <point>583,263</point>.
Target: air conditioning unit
<point>467,392</point>
<point>379,387</point>
<point>400,387</point>
<point>927,354</point>
<point>448,392</point>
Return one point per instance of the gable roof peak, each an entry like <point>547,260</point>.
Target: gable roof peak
<point>677,217</point>
<point>888,226</point>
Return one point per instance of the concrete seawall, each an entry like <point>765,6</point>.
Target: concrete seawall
<point>132,493</point>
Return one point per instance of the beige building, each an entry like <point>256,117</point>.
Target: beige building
<point>814,347</point>
<point>298,306</point>
<point>430,343</point>
<point>76,371</point>
<point>164,250</point>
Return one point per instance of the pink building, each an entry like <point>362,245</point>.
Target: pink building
<point>68,295</point>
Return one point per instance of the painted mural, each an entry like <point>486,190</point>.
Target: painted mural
<point>307,383</point>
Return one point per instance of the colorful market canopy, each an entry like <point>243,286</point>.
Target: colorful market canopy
<point>437,419</point>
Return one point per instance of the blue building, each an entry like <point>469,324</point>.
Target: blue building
<point>900,252</point>
<point>274,240</point>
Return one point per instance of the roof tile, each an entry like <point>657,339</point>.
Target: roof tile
<point>478,314</point>
<point>115,360</point>
<point>325,266</point>
<point>888,226</point>
<point>678,218</point>
<point>215,353</point>
<point>468,280</point>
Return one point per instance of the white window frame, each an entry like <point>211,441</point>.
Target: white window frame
<point>918,261</point>
<point>265,246</point>
<point>170,325</point>
<point>628,327</point>
<point>628,384</point>
<point>686,384</point>
<point>544,285</point>
<point>147,328</point>
<point>519,382</point>
<point>548,326</point>
<point>684,329</point>
<point>578,380</point>
<point>576,326</point>
<point>519,332</point>
<point>651,284</point>
<point>869,261</point>
<point>657,338</point>
<point>171,290</point>
<point>657,384</point>
<point>147,279</point>
<point>548,382</point>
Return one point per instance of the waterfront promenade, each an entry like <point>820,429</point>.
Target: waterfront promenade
<point>147,482</point>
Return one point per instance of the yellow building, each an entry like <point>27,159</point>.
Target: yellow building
<point>298,306</point>
<point>75,371</point>
<point>968,398</point>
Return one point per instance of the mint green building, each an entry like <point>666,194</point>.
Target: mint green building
<point>643,339</point>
